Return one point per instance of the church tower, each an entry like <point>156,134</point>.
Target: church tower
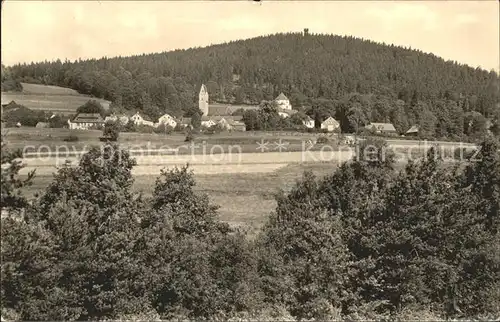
<point>203,100</point>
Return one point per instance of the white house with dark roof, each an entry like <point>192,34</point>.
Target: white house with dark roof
<point>85,121</point>
<point>386,128</point>
<point>283,102</point>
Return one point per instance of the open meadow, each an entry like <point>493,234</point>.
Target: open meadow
<point>49,98</point>
<point>245,199</point>
<point>41,140</point>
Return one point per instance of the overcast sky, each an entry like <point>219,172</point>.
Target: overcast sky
<point>465,31</point>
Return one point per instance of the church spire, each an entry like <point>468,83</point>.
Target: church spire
<point>203,100</point>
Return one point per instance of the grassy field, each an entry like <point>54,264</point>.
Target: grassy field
<point>52,138</point>
<point>47,89</point>
<point>42,139</point>
<point>49,98</point>
<point>245,199</point>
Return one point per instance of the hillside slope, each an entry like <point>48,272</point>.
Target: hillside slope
<point>48,98</point>
<point>347,77</point>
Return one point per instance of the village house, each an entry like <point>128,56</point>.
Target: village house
<point>224,124</point>
<point>137,119</point>
<point>185,122</point>
<point>330,124</point>
<point>219,113</point>
<point>284,113</point>
<point>413,131</point>
<point>85,121</point>
<point>123,119</point>
<point>237,126</point>
<point>308,122</point>
<point>382,128</point>
<point>167,120</point>
<point>283,102</point>
<point>207,121</point>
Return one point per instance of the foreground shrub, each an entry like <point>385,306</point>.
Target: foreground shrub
<point>84,255</point>
<point>111,131</point>
<point>362,243</point>
<point>11,182</point>
<point>322,140</point>
<point>304,259</point>
<point>211,270</point>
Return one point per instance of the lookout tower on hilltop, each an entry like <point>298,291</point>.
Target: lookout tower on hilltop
<point>203,100</point>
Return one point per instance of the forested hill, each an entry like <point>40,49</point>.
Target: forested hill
<point>339,75</point>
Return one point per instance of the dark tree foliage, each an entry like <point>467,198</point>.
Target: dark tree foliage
<point>425,239</point>
<point>196,120</point>
<point>303,256</point>
<point>111,131</point>
<point>91,249</point>
<point>212,272</point>
<point>14,113</point>
<point>355,80</point>
<point>12,183</point>
<point>9,84</point>
<point>92,106</point>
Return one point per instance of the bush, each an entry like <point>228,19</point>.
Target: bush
<point>14,113</point>
<point>144,128</point>
<point>111,131</point>
<point>463,154</point>
<point>92,106</point>
<point>322,140</point>
<point>71,138</point>
<point>163,129</point>
<point>189,137</point>
<point>58,121</point>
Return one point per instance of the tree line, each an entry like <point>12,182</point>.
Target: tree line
<point>355,80</point>
<point>367,241</point>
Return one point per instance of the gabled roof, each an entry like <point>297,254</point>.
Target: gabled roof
<point>236,117</point>
<point>217,118</point>
<point>281,97</point>
<point>286,111</point>
<point>88,118</point>
<point>413,129</point>
<point>330,120</point>
<point>227,109</point>
<point>236,123</point>
<point>214,109</point>
<point>387,127</point>
<point>206,118</point>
